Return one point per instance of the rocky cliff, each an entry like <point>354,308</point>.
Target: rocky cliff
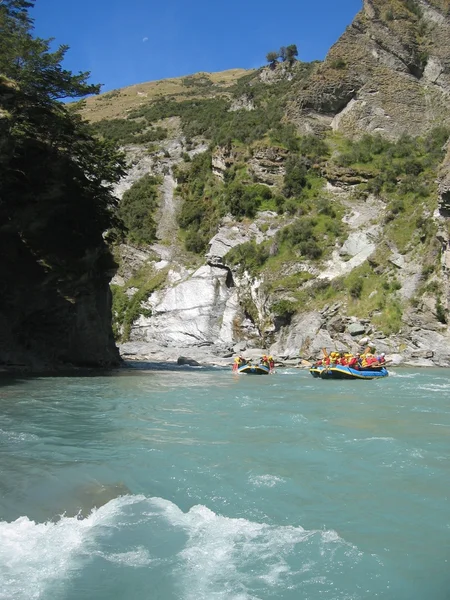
<point>55,300</point>
<point>299,206</point>
<point>388,73</point>
<point>54,320</point>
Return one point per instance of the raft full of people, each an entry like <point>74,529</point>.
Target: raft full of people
<point>346,365</point>
<point>265,366</point>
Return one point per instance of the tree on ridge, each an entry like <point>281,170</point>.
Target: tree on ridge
<point>272,58</point>
<point>286,53</point>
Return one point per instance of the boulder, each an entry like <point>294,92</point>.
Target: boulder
<point>185,360</point>
<point>356,329</point>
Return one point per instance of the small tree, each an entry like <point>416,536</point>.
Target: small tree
<point>272,58</point>
<point>291,53</point>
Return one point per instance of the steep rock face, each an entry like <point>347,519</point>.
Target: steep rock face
<point>233,233</point>
<point>388,73</point>
<point>48,319</point>
<point>267,165</point>
<point>55,301</point>
<point>199,309</point>
<point>444,186</point>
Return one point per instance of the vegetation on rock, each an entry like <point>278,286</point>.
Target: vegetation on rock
<point>137,210</point>
<point>128,300</point>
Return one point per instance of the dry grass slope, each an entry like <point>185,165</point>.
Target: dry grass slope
<point>117,103</point>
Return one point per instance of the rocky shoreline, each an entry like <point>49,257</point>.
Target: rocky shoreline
<point>220,356</point>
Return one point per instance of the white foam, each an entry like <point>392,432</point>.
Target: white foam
<point>434,387</point>
<point>403,375</point>
<point>265,480</point>
<point>224,558</point>
<point>371,439</point>
<point>217,557</point>
<point>139,557</point>
<point>416,453</point>
<point>34,555</point>
<point>13,436</point>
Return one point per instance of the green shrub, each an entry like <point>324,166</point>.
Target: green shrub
<point>314,147</point>
<point>397,206</point>
<point>284,309</point>
<point>121,131</point>
<point>356,288</point>
<point>249,256</point>
<point>245,200</point>
<point>285,135</point>
<point>414,8</point>
<point>137,209</point>
<point>201,210</point>
<point>310,249</point>
<point>363,150</point>
<point>339,63</point>
<point>126,131</point>
<point>152,135</point>
<point>300,230</point>
<point>295,179</point>
<point>325,207</point>
<point>405,168</point>
<point>196,241</point>
<point>212,119</point>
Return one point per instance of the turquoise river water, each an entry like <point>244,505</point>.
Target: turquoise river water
<point>197,484</point>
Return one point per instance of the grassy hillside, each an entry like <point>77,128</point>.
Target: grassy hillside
<point>117,103</point>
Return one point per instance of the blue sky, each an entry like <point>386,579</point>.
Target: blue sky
<point>123,42</point>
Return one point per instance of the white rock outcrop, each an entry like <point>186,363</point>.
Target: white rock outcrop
<point>199,309</point>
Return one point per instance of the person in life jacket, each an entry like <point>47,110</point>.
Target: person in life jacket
<point>343,359</point>
<point>381,358</point>
<point>369,360</point>
<point>334,356</point>
<point>238,362</point>
<point>353,361</point>
<point>271,363</point>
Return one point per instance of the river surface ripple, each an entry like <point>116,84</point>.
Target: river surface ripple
<point>197,484</point>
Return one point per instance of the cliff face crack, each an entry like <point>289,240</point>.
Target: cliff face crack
<point>229,281</point>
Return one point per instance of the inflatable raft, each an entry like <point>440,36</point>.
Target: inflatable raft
<point>249,369</point>
<point>342,372</point>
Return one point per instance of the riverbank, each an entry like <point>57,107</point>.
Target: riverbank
<point>220,356</point>
<point>137,354</point>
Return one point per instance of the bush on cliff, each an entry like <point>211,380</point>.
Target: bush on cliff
<point>245,200</point>
<point>201,211</point>
<point>137,210</point>
<point>250,256</point>
<point>127,131</point>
